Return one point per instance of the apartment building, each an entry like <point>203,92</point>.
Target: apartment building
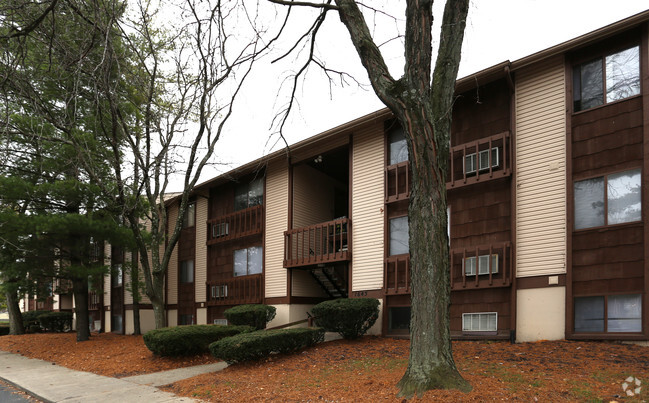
<point>547,195</point>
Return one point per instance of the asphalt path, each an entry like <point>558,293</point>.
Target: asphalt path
<point>9,394</point>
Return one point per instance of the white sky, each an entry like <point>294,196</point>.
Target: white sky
<point>497,30</point>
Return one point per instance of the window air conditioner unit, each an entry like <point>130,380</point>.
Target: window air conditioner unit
<point>223,322</point>
<point>220,229</point>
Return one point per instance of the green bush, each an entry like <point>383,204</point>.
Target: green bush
<point>260,344</point>
<point>30,318</point>
<point>4,329</point>
<point>351,318</point>
<point>55,321</point>
<point>188,340</point>
<point>252,315</point>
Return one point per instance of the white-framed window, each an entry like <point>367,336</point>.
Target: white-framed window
<point>220,229</point>
<point>482,263</point>
<point>606,79</point>
<point>189,217</point>
<point>399,243</point>
<point>607,200</point>
<point>480,322</point>
<point>397,146</point>
<point>623,314</point>
<point>219,291</point>
<point>187,271</point>
<point>249,194</point>
<point>248,261</point>
<point>481,161</point>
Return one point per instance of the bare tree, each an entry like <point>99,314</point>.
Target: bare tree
<point>422,104</point>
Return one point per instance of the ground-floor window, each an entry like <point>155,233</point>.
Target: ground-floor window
<point>480,322</point>
<point>399,319</point>
<point>185,319</point>
<point>116,323</point>
<point>608,313</point>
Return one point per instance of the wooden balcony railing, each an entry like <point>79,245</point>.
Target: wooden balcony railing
<point>94,301</point>
<point>236,225</point>
<point>469,272</point>
<point>235,291</point>
<point>488,158</point>
<point>397,182</point>
<point>397,274</point>
<point>320,243</point>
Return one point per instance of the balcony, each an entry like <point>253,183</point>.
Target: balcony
<point>235,291</point>
<point>397,182</point>
<point>321,243</point>
<point>94,300</point>
<point>397,275</point>
<point>472,268</point>
<point>479,161</point>
<point>235,225</point>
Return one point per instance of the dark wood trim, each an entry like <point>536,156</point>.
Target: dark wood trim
<point>289,274</point>
<point>170,307</point>
<point>263,242</point>
<point>569,198</point>
<point>294,300</point>
<point>644,74</point>
<point>129,307</point>
<point>512,208</point>
<point>525,283</point>
<point>277,300</point>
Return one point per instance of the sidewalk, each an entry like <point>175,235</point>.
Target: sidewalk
<point>53,383</point>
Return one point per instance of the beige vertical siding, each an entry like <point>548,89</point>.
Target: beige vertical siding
<point>541,169</point>
<point>172,270</point>
<point>276,200</point>
<point>200,260</point>
<point>367,208</point>
<point>313,196</point>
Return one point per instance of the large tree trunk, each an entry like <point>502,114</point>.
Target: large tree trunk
<point>135,291</point>
<point>13,307</point>
<point>156,295</point>
<point>80,290</point>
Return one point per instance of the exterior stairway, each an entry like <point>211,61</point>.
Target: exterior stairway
<point>334,285</point>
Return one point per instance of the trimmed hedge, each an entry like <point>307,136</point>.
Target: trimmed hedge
<point>188,340</point>
<point>31,318</point>
<point>56,321</point>
<point>4,329</point>
<point>351,318</point>
<point>255,315</point>
<point>262,343</point>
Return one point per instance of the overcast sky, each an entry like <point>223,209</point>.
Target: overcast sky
<point>497,30</point>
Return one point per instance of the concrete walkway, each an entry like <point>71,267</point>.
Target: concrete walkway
<point>53,383</point>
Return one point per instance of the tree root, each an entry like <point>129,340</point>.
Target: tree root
<point>439,377</point>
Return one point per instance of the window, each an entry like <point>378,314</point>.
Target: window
<point>480,322</point>
<point>481,161</point>
<point>483,265</point>
<point>219,291</point>
<point>623,314</point>
<point>187,271</point>
<point>185,319</point>
<point>399,236</point>
<point>189,216</point>
<point>117,275</point>
<point>248,261</point>
<point>399,319</point>
<point>116,323</point>
<point>249,194</point>
<point>220,229</point>
<point>621,191</point>
<point>398,147</point>
<point>606,79</point>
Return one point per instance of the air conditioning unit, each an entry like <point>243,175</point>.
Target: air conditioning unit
<point>223,322</point>
<point>471,161</point>
<point>220,229</point>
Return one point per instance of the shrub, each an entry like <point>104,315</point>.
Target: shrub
<point>262,343</point>
<point>4,329</point>
<point>351,318</point>
<point>188,340</point>
<point>252,315</point>
<point>30,318</point>
<point>55,321</point>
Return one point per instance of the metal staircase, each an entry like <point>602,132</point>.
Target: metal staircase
<point>331,282</point>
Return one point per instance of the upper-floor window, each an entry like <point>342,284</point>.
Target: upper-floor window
<point>249,194</point>
<point>189,217</point>
<point>187,271</point>
<point>398,148</point>
<point>607,200</point>
<point>399,243</point>
<point>248,261</point>
<point>606,79</point>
